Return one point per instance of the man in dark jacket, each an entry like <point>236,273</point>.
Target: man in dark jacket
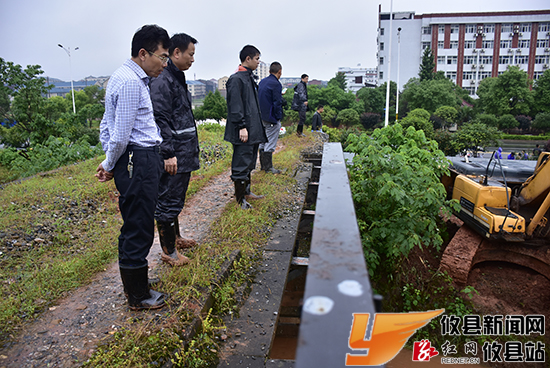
<point>271,106</point>
<point>317,121</point>
<point>244,128</point>
<point>180,145</point>
<point>299,103</point>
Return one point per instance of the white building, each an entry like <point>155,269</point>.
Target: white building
<point>262,71</point>
<point>357,78</point>
<point>467,47</point>
<point>197,89</point>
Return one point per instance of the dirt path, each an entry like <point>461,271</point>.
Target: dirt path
<point>68,333</point>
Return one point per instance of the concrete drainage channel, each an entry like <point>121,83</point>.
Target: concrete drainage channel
<point>313,256</point>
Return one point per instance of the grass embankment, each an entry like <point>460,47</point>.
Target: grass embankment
<point>59,229</point>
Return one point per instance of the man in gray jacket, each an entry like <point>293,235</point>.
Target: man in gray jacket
<point>244,128</point>
<point>180,145</point>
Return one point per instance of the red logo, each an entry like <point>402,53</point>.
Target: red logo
<point>423,351</point>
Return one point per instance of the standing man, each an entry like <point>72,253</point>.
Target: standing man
<point>299,103</point>
<point>179,148</point>
<point>131,139</point>
<point>244,128</point>
<point>271,106</point>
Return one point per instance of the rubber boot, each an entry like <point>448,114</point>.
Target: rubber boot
<point>136,284</point>
<point>249,195</point>
<point>268,157</point>
<point>262,160</point>
<point>167,236</point>
<point>182,243</point>
<point>240,191</point>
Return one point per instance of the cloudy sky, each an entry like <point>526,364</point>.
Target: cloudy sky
<point>306,36</point>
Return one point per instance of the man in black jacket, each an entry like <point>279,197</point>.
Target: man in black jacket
<point>299,103</point>
<point>180,145</point>
<point>244,128</point>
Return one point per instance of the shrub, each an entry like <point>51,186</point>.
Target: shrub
<point>420,120</point>
<point>507,122</point>
<point>370,120</point>
<point>348,117</point>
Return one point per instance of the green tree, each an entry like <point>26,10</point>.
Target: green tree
<point>427,66</point>
<point>339,80</point>
<point>372,99</point>
<point>431,94</point>
<point>541,93</point>
<point>96,95</point>
<point>487,119</point>
<point>448,114</point>
<point>542,121</point>
<point>507,121</point>
<point>420,120</point>
<point>214,107</point>
<point>398,195</point>
<point>328,115</point>
<point>509,94</point>
<point>474,135</point>
<point>348,117</point>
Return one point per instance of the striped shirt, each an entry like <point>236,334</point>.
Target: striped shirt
<point>128,117</point>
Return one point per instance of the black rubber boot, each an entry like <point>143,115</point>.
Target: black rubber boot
<point>240,192</point>
<point>268,157</point>
<point>249,195</point>
<point>262,160</point>
<point>167,236</point>
<point>136,284</point>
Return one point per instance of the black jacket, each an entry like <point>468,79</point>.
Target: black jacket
<point>174,116</point>
<point>300,96</point>
<point>243,109</point>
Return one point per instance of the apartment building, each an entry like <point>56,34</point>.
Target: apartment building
<point>467,47</point>
<point>357,78</point>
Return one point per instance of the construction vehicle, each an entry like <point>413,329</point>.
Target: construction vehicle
<point>505,207</point>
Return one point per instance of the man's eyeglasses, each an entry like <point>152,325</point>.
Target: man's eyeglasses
<point>164,59</point>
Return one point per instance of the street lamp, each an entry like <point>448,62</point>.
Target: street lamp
<point>398,58</point>
<point>68,51</point>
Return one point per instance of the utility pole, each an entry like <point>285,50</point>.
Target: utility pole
<point>68,51</point>
<point>387,118</point>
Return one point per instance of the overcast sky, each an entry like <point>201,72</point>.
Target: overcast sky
<point>306,36</point>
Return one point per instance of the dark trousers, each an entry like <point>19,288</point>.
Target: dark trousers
<point>302,116</point>
<point>172,190</point>
<point>137,202</point>
<point>243,161</point>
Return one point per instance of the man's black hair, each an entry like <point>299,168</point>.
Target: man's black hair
<point>248,50</point>
<point>181,41</point>
<point>304,76</point>
<point>149,37</point>
<point>320,107</point>
<point>275,67</point>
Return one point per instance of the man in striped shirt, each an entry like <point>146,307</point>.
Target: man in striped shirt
<point>131,139</point>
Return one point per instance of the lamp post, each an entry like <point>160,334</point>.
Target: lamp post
<point>398,58</point>
<point>387,117</point>
<point>68,51</point>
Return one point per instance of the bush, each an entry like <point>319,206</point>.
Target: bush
<point>420,120</point>
<point>348,117</point>
<point>397,193</point>
<point>507,122</point>
<point>524,122</point>
<point>487,119</point>
<point>446,143</point>
<point>370,120</point>
<point>542,121</point>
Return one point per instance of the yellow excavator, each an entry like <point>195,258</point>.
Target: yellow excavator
<point>504,206</point>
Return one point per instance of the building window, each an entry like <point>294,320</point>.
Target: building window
<point>541,59</point>
<point>359,80</point>
<point>537,75</point>
<point>471,28</point>
<point>471,90</point>
<point>483,75</point>
<point>381,46</point>
<point>427,30</point>
<point>525,27</point>
<point>506,28</point>
<point>469,44</point>
<point>468,75</point>
<point>506,60</point>
<point>426,45</point>
<point>486,60</point>
<point>524,44</point>
<point>440,44</point>
<point>452,60</point>
<point>542,43</point>
<point>454,28</point>
<point>489,28</point>
<point>381,31</point>
<point>451,75</point>
<point>441,59</point>
<point>441,29</point>
<point>505,44</point>
<point>381,75</point>
<point>488,44</point>
<point>469,59</point>
<point>381,60</point>
<point>544,27</point>
<point>522,59</point>
<point>454,45</point>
